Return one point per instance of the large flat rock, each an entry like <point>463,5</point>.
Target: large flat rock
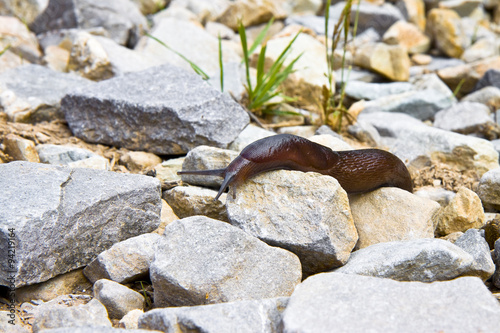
<point>163,110</point>
<point>60,219</point>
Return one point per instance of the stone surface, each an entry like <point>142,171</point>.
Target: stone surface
<point>251,12</point>
<point>306,213</point>
<point>369,91</point>
<point>391,214</point>
<point>496,257</point>
<point>428,96</point>
<point>202,261</point>
<point>489,78</point>
<point>189,39</point>
<point>465,118</point>
<point>413,11</point>
<point>250,134</point>
<point>489,96</point>
<point>412,141</point>
<point>262,315</point>
<point>425,260</point>
<point>464,212</point>
<point>206,158</point>
<point>125,261</point>
<point>362,304</point>
<point>468,74</point>
<point>407,35</point>
<point>121,18</point>
<point>391,61</point>
<point>445,27</point>
<point>157,110</point>
<point>15,36</point>
<point>489,188</point>
<point>139,160</point>
<point>71,156</point>
<point>61,220</point>
<point>193,200</point>
<point>473,242</point>
<point>483,48</point>
<point>377,17</point>
<point>20,149</point>
<point>24,95</point>
<point>57,314</point>
<point>96,329</point>
<point>117,298</point>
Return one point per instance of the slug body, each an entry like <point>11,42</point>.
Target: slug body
<point>356,170</point>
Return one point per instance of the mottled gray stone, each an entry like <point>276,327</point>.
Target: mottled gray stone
<point>202,261</point>
<point>415,142</point>
<point>125,261</point>
<point>305,213</point>
<point>351,303</point>
<point>262,315</point>
<point>317,23</point>
<point>374,16</point>
<point>473,242</point>
<point>117,298</point>
<point>489,96</point>
<point>163,110</point>
<point>26,97</point>
<point>55,315</point>
<point>425,260</point>
<point>429,96</point>
<point>490,78</point>
<point>63,218</point>
<point>369,91</point>
<point>206,158</point>
<point>121,18</point>
<point>489,188</point>
<point>465,118</point>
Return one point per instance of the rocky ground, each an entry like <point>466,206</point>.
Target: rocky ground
<point>98,233</point>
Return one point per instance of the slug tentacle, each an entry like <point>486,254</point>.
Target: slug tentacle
<point>357,171</point>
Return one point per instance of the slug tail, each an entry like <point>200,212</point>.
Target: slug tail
<point>214,172</point>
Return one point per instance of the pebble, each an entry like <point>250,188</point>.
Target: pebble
<point>125,261</point>
<point>465,118</point>
<point>488,189</point>
<point>118,299</point>
<point>71,156</point>
<point>203,261</point>
<point>377,222</point>
<point>473,242</point>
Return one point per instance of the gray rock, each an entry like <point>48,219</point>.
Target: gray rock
<point>262,315</point>
<point>438,194</point>
<point>429,96</point>
<point>62,218</point>
<point>489,96</point>
<point>425,260</point>
<point>125,261</point>
<point>351,303</point>
<point>234,79</point>
<point>414,142</point>
<point>201,261</point>
<point>377,17</point>
<point>163,110</point>
<point>317,23</point>
<point>490,78</point>
<point>496,257</point>
<point>465,118</point>
<point>117,298</point>
<point>489,188</point>
<point>121,18</point>
<point>377,221</point>
<point>474,243</point>
<point>206,158</point>
<point>306,213</point>
<point>55,315</point>
<point>11,321</point>
<point>24,95</point>
<point>369,91</point>
<point>193,200</point>
<point>365,132</point>
<point>68,155</point>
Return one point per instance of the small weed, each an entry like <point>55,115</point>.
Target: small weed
<point>4,50</point>
<point>221,65</point>
<point>268,81</point>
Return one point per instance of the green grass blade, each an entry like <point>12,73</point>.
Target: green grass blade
<point>244,46</point>
<point>195,67</point>
<point>221,65</point>
<point>260,37</point>
<point>5,50</point>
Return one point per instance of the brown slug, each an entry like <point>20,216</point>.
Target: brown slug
<point>357,171</point>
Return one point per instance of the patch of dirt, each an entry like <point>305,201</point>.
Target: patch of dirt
<point>445,176</point>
